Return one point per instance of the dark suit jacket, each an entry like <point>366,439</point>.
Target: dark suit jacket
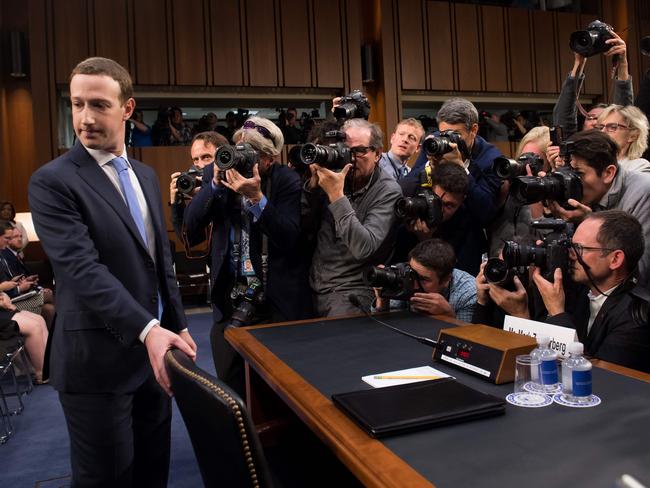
<point>107,283</point>
<point>288,287</point>
<point>614,336</point>
<point>16,266</point>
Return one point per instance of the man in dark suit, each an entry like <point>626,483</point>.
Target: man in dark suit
<point>99,217</point>
<point>254,210</point>
<point>612,318</point>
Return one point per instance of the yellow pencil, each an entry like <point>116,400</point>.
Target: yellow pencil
<point>407,377</point>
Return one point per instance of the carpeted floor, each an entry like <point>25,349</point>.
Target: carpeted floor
<point>37,454</point>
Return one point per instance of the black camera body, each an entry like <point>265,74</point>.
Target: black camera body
<point>551,254</point>
<point>398,282</point>
<point>246,300</point>
<point>241,157</point>
<point>354,105</point>
<point>333,156</point>
<point>497,272</point>
<point>188,180</point>
<point>560,185</point>
<point>507,169</point>
<point>438,145</point>
<point>591,41</point>
<point>425,205</point>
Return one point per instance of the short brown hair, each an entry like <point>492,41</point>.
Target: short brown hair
<point>108,67</point>
<point>436,255</point>
<point>211,137</point>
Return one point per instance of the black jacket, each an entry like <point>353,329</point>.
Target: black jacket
<point>615,335</point>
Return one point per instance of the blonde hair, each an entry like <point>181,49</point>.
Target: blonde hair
<point>539,135</point>
<point>270,147</point>
<point>635,120</point>
<point>413,123</point>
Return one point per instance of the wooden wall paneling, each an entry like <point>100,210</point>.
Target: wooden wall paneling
<point>327,38</point>
<point>110,27</point>
<point>152,54</point>
<point>468,47</point>
<point>565,24</point>
<point>544,40</point>
<point>226,35</point>
<point>353,78</point>
<point>260,33</point>
<point>190,57</point>
<point>441,46</point>
<point>644,30</point>
<point>42,82</point>
<point>521,60</point>
<point>495,49</point>
<point>71,42</point>
<point>296,47</point>
<point>411,45</point>
<point>392,91</point>
<point>595,68</point>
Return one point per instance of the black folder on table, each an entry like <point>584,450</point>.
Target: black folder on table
<point>416,406</point>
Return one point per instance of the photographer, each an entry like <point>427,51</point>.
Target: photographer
<point>203,149</point>
<point>449,184</point>
<point>351,212</point>
<point>475,155</point>
<point>439,289</point>
<point>605,185</point>
<point>404,143</point>
<point>565,110</point>
<point>628,127</point>
<point>254,209</point>
<point>612,318</point>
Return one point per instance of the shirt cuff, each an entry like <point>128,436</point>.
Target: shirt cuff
<point>145,331</point>
<point>258,208</point>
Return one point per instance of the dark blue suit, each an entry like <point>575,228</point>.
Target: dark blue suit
<point>287,291</point>
<point>107,292</point>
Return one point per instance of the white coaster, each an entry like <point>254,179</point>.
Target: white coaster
<point>561,399</point>
<point>529,400</point>
<point>537,388</point>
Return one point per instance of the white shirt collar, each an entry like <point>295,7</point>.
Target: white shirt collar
<point>104,157</point>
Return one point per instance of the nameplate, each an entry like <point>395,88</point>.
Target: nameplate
<point>561,337</point>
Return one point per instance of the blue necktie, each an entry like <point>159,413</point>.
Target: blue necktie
<point>132,202</point>
<point>129,194</point>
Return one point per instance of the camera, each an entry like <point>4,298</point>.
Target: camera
<point>426,206</point>
<point>437,145</point>
<point>332,156</point>
<point>246,300</point>
<point>556,134</point>
<point>241,157</point>
<point>187,181</point>
<point>354,105</point>
<point>507,169</point>
<point>591,41</point>
<point>397,281</point>
<point>496,271</point>
<point>560,185</point>
<point>551,254</point>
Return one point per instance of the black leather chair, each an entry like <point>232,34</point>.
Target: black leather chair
<point>225,442</point>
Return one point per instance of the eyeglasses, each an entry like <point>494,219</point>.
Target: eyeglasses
<point>249,124</point>
<point>579,249</point>
<point>361,150</point>
<point>613,127</point>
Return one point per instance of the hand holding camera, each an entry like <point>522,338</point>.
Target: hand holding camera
<point>576,214</point>
<point>251,188</point>
<point>512,302</point>
<point>332,182</point>
<point>552,293</point>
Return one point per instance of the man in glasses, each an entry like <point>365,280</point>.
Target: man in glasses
<point>606,186</point>
<point>351,212</point>
<point>255,228</point>
<point>440,288</point>
<point>611,318</point>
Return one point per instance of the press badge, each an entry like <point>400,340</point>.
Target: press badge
<point>247,266</point>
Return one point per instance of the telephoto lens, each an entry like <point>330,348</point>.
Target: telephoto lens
<point>425,206</point>
<point>507,169</point>
<point>497,271</point>
<point>561,185</point>
<point>333,157</point>
<point>436,146</point>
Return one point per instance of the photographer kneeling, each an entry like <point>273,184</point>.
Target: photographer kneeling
<point>429,282</point>
<point>253,207</point>
<point>612,317</point>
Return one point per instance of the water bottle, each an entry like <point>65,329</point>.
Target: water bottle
<point>545,375</point>
<point>576,375</point>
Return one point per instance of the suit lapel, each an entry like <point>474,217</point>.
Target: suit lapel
<point>95,177</point>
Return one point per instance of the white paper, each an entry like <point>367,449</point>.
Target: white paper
<point>420,371</point>
<point>561,337</point>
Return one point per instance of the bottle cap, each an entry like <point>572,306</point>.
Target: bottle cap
<point>543,340</point>
<point>576,348</point>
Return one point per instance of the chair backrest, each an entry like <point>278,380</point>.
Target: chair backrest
<point>225,442</point>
